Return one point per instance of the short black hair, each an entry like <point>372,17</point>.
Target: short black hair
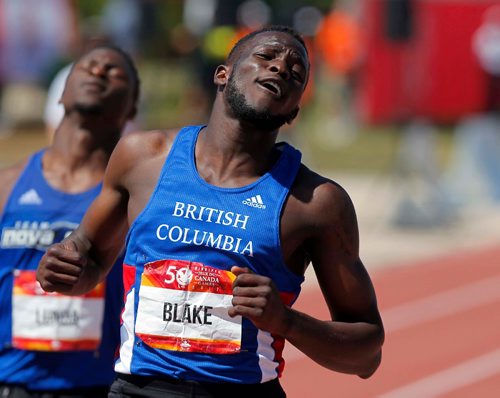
<point>128,60</point>
<point>272,28</point>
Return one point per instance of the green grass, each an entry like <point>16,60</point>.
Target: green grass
<point>367,149</point>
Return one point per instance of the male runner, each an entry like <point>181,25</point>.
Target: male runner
<point>223,222</point>
<point>53,345</point>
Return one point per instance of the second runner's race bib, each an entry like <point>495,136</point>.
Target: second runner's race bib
<point>44,321</point>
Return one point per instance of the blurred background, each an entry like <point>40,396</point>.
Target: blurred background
<point>402,107</point>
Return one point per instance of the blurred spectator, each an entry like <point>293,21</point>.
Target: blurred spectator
<point>486,46</point>
<point>307,21</point>
<point>338,42</point>
<point>121,21</point>
<point>36,34</point>
<point>474,175</point>
<point>251,15</point>
<point>423,201</point>
<point>199,15</point>
<point>336,58</point>
<point>216,24</point>
<point>135,25</point>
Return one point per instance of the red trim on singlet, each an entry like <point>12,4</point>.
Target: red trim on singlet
<point>128,283</point>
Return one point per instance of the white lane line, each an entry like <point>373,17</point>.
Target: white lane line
<point>429,308</point>
<point>450,379</point>
<point>442,304</point>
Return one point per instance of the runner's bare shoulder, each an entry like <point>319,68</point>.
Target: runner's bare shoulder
<point>321,202</point>
<point>142,146</point>
<point>138,155</point>
<point>146,143</point>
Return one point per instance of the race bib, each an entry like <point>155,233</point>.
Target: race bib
<point>183,306</point>
<point>44,321</point>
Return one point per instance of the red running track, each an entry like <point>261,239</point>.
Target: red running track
<point>442,322</point>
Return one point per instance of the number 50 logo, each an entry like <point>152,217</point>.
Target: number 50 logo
<point>183,275</point>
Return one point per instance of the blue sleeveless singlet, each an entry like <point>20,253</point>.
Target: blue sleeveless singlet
<point>50,341</point>
<point>176,271</point>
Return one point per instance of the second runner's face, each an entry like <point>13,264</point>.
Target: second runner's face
<point>100,80</point>
<point>271,73</point>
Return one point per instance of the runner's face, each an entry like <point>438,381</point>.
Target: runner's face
<point>267,79</point>
<point>100,81</point>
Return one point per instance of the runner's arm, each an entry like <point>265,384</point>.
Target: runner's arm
<point>78,263</point>
<point>351,341</point>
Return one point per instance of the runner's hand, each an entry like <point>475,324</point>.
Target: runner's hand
<point>257,298</point>
<point>60,267</point>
